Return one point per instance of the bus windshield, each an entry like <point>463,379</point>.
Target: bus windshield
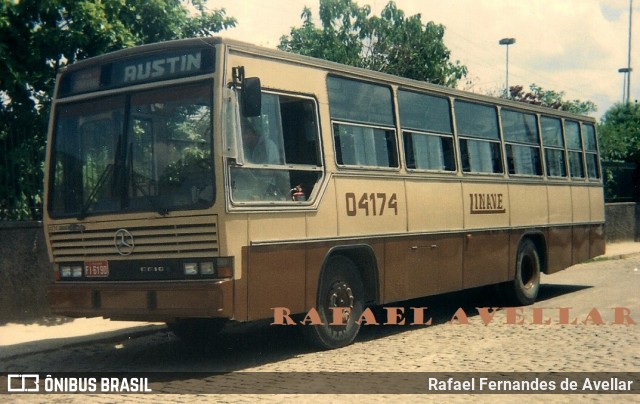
<point>140,151</point>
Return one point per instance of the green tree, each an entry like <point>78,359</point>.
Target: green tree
<point>619,135</point>
<point>39,37</point>
<point>619,132</point>
<point>392,43</point>
<point>551,99</point>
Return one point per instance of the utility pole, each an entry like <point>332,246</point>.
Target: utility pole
<point>629,54</point>
<point>626,83</point>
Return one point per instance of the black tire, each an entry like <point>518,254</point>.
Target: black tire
<point>197,330</point>
<point>523,290</point>
<point>340,286</point>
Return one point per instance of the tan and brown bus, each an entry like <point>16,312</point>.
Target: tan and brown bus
<point>207,180</point>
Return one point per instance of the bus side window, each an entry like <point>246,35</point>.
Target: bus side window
<point>574,145</point>
<point>299,133</point>
<point>591,151</point>
<point>363,123</point>
<point>477,126</point>
<point>554,152</point>
<point>281,151</point>
<point>522,143</point>
<point>358,145</point>
<point>427,131</point>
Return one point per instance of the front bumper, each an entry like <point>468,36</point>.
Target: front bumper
<point>143,301</point>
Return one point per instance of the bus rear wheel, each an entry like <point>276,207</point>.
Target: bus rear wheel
<point>340,287</point>
<point>523,290</point>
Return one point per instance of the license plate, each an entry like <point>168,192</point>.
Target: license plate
<point>96,269</point>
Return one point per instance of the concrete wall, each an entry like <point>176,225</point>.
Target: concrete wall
<point>623,221</point>
<point>25,270</point>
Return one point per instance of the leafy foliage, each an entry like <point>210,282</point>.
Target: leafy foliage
<point>619,132</point>
<point>551,99</point>
<point>193,126</point>
<point>39,37</point>
<point>392,43</point>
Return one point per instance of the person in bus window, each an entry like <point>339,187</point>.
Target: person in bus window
<point>258,148</point>
<point>258,183</point>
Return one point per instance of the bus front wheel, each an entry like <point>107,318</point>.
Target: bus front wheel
<point>340,301</point>
<point>523,290</point>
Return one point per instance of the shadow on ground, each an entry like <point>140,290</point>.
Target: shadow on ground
<point>242,346</point>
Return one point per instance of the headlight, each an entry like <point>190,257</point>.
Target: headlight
<point>221,267</point>
<point>190,268</point>
<point>206,268</point>
<point>76,271</point>
<point>65,271</point>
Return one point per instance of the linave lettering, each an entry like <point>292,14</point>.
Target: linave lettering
<point>486,203</point>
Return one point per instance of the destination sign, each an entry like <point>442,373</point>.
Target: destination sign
<point>138,70</point>
<point>161,67</point>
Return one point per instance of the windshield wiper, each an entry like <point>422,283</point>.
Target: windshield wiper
<point>106,173</point>
<point>162,211</point>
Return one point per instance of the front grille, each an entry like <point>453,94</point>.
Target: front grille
<point>180,237</point>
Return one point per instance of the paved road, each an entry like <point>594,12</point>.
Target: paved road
<point>588,293</point>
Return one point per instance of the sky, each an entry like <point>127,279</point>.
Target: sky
<point>570,46</point>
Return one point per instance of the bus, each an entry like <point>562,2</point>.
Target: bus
<point>204,181</point>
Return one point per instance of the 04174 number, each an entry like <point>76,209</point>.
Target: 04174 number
<point>371,204</point>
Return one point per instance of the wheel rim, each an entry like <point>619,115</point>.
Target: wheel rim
<point>341,295</point>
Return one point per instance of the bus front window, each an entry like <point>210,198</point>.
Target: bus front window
<point>149,150</point>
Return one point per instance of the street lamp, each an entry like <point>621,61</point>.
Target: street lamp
<point>507,42</point>
<point>625,83</point>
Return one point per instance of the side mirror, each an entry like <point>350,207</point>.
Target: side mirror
<point>251,97</point>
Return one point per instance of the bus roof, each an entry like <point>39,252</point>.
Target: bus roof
<point>329,66</point>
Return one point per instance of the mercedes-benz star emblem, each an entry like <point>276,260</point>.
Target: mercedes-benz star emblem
<point>123,241</point>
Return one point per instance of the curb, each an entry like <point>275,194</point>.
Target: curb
<point>615,256</point>
<point>626,255</point>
